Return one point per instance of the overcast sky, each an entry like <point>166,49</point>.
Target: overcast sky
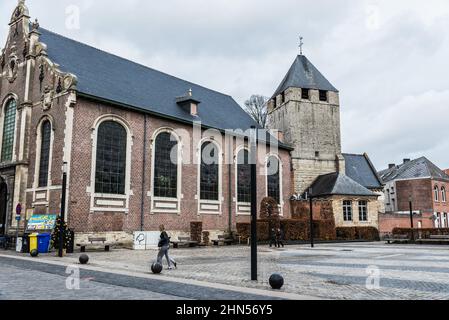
<point>389,59</point>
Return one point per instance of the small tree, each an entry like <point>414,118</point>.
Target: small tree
<point>256,107</point>
<point>59,227</point>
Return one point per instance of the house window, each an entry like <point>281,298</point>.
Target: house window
<point>388,196</point>
<point>282,97</point>
<point>274,179</point>
<point>44,160</point>
<point>436,192</point>
<point>323,95</point>
<point>443,194</point>
<point>243,177</point>
<point>110,170</point>
<point>9,126</point>
<point>166,166</point>
<point>305,94</point>
<point>209,176</point>
<point>363,211</point>
<point>347,210</point>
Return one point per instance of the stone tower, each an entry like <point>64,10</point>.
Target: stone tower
<point>306,109</point>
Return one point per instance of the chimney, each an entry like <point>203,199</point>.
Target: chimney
<point>446,171</point>
<point>406,161</point>
<point>391,165</point>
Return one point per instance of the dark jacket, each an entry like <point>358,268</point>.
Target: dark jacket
<point>165,240</point>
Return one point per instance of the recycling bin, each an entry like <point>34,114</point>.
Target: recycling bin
<point>33,241</point>
<point>43,242</point>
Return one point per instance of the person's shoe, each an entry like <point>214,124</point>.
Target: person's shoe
<point>170,268</point>
<point>176,265</point>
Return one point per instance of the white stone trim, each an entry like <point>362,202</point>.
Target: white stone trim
<point>281,180</point>
<point>129,144</point>
<point>9,96</point>
<point>155,201</point>
<point>205,203</point>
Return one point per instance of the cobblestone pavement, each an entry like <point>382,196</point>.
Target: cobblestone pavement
<point>330,271</point>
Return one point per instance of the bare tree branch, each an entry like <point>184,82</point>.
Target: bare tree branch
<point>256,107</point>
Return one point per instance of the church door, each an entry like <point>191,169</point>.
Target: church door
<point>3,204</point>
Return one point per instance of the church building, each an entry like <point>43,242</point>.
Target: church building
<point>143,148</point>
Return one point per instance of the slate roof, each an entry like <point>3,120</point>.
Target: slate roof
<point>419,168</point>
<point>303,74</point>
<point>113,79</point>
<point>338,184</point>
<point>360,169</point>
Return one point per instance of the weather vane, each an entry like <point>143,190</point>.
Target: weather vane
<point>301,43</point>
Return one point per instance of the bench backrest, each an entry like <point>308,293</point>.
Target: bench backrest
<point>184,239</point>
<point>92,239</point>
<point>221,237</point>
<point>439,237</point>
<point>401,236</point>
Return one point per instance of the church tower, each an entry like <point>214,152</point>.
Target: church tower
<point>306,110</point>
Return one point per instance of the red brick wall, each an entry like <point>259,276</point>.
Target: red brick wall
<point>440,206</point>
<point>421,192</point>
<point>389,221</point>
<point>80,218</point>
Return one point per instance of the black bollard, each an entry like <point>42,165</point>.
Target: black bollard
<point>84,259</point>
<point>276,281</point>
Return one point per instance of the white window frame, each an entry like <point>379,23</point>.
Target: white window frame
<point>36,188</point>
<point>210,203</point>
<point>366,206</point>
<point>281,180</point>
<point>345,207</point>
<point>111,197</point>
<point>443,194</point>
<point>240,205</point>
<point>169,201</point>
<point>9,97</point>
<point>436,193</point>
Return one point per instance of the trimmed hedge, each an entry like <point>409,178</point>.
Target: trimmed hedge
<point>358,233</point>
<point>422,233</point>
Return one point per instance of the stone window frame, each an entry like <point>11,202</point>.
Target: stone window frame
<point>363,204</point>
<point>112,202</point>
<point>246,206</point>
<point>281,180</point>
<point>347,205</point>
<point>436,193</point>
<point>6,100</point>
<point>171,205</point>
<point>443,194</point>
<point>202,203</point>
<point>36,188</point>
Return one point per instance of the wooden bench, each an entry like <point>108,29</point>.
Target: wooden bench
<point>184,241</point>
<point>96,242</point>
<point>222,240</point>
<point>435,239</point>
<point>397,239</point>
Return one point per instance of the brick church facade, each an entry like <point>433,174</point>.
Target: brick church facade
<point>138,143</point>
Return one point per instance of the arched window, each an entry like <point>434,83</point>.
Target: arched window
<point>209,175</point>
<point>436,192</point>
<point>9,126</point>
<point>274,179</point>
<point>443,194</point>
<point>166,166</point>
<point>243,177</point>
<point>44,160</point>
<point>110,173</point>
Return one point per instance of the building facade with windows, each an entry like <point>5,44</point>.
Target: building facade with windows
<point>423,184</point>
<point>142,148</point>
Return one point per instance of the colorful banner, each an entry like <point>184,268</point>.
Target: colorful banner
<point>42,222</point>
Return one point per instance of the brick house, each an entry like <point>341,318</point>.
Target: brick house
<point>142,148</point>
<point>425,185</point>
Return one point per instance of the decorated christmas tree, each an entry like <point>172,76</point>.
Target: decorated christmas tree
<point>55,237</point>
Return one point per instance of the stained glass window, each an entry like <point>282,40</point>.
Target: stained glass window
<point>166,166</point>
<point>243,177</point>
<point>111,158</point>
<point>45,153</point>
<point>273,179</point>
<point>9,125</point>
<point>209,185</point>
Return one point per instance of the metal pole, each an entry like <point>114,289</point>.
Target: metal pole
<point>411,219</point>
<point>312,244</point>
<point>63,201</point>
<point>253,141</point>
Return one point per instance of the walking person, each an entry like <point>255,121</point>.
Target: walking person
<point>280,238</point>
<point>273,238</point>
<point>164,247</point>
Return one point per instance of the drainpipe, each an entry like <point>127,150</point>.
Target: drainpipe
<point>144,164</point>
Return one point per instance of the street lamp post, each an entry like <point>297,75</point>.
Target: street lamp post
<point>312,244</point>
<point>411,217</point>
<point>253,142</point>
<point>63,202</point>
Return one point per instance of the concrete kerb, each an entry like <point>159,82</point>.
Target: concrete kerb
<point>266,293</point>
